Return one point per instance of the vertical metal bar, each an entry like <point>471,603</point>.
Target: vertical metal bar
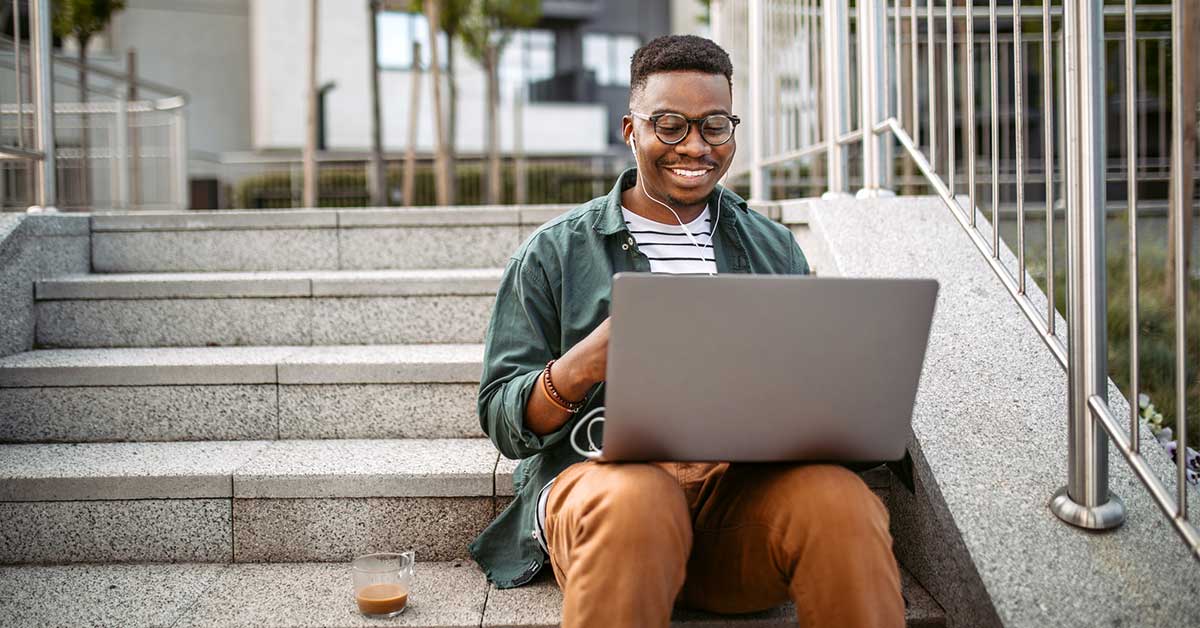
<point>1019,100</point>
<point>899,102</point>
<point>1048,156</point>
<point>914,47</point>
<point>1143,125</point>
<point>950,95</point>
<point>180,173</point>
<point>17,75</point>
<point>873,95</point>
<point>995,141</point>
<point>1086,501</point>
<point>1131,152</point>
<point>120,151</point>
<point>930,49</point>
<point>1181,256</point>
<point>43,97</point>
<point>758,175</point>
<point>1163,98</point>
<point>837,102</point>
<point>970,96</point>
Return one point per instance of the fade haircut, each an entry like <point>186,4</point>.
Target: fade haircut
<point>674,53</point>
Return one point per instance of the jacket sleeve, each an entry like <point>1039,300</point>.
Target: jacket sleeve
<point>522,336</point>
<point>799,263</point>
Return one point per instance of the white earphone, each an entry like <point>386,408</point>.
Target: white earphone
<point>713,229</point>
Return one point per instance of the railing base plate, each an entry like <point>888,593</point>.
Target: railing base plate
<point>1108,515</point>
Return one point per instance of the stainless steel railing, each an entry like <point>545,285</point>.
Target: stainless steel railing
<point>963,126</point>
<point>117,142</point>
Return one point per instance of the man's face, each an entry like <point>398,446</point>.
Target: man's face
<point>694,95</point>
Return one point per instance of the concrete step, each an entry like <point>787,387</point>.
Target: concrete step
<point>451,594</point>
<point>236,393</point>
<point>332,239</point>
<point>265,308</point>
<point>246,501</point>
<point>252,501</point>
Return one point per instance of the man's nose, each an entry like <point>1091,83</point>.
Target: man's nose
<point>693,144</point>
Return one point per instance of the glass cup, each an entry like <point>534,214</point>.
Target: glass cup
<point>381,582</point>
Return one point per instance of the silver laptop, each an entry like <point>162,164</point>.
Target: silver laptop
<point>763,368</point>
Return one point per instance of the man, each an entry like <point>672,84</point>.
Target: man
<point>626,542</point>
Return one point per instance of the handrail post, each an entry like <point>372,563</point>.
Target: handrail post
<point>180,172</point>
<point>43,99</point>
<point>759,184</point>
<point>1085,501</point>
<point>872,94</point>
<point>836,71</point>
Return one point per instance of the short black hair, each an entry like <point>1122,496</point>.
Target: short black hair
<point>672,53</point>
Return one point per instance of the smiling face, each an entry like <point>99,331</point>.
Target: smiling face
<point>682,174</point>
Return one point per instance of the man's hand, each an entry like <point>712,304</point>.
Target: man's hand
<point>581,367</point>
<point>584,365</point>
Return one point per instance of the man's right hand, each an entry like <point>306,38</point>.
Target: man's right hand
<point>581,367</point>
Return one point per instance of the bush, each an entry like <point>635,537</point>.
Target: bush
<point>346,186</point>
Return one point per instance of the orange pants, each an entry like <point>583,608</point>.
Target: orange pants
<point>629,541</point>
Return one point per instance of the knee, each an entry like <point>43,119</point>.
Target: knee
<point>635,504</point>
<point>832,500</point>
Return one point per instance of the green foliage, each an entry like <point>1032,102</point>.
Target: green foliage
<point>487,26</point>
<point>1156,332</point>
<point>347,187</point>
<point>83,19</point>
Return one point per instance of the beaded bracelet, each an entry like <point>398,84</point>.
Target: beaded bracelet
<point>551,393</point>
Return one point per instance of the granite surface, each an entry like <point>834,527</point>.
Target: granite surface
<point>174,322</point>
<point>35,247</point>
<point>406,282</point>
<point>143,366</point>
<point>483,215</point>
<point>129,596</point>
<point>428,247</point>
<point>152,530</point>
<point>380,364</point>
<point>378,411</point>
<point>317,595</point>
<point>204,250</point>
<point>138,413</point>
<point>175,285</point>
<point>381,320</point>
<point>990,421</point>
<point>369,468</point>
<point>294,530</point>
<point>200,220</point>
<point>122,471</point>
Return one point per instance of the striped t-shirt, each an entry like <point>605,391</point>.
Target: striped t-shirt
<point>669,248</point>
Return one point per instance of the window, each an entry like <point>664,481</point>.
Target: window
<point>608,56</point>
<point>397,32</point>
<point>528,57</point>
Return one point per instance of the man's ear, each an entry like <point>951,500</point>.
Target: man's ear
<point>626,128</point>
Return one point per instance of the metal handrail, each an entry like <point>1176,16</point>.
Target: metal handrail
<point>891,107</point>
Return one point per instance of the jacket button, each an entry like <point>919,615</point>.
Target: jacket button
<point>624,247</point>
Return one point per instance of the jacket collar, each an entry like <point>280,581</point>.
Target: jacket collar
<point>611,220</point>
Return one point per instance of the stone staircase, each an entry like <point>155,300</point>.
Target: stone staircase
<point>234,404</point>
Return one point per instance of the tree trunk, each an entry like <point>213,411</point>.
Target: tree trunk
<point>310,142</point>
<point>451,115</point>
<point>85,196</point>
<point>441,161</point>
<point>495,183</point>
<point>375,170</point>
<point>410,156</point>
<point>1186,167</point>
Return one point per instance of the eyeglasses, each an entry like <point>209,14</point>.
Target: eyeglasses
<point>672,128</point>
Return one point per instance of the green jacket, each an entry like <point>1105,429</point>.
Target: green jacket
<point>555,290</point>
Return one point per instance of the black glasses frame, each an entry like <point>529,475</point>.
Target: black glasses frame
<point>653,120</point>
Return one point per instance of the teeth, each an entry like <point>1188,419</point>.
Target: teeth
<point>688,173</point>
